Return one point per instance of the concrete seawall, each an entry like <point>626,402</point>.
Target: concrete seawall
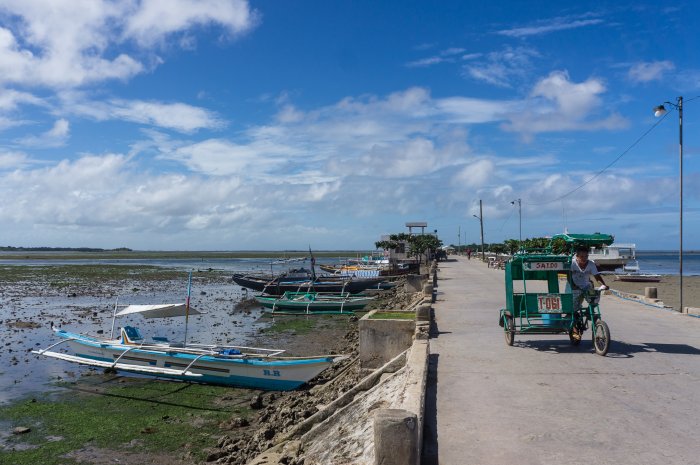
<point>381,419</point>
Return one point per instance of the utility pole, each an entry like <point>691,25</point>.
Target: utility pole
<point>481,222</point>
<point>520,218</point>
<point>459,240</point>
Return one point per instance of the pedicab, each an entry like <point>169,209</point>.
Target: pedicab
<point>539,302</point>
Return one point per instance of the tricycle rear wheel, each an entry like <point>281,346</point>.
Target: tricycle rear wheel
<point>509,329</point>
<point>601,337</point>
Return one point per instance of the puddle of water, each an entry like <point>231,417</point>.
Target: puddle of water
<point>23,372</point>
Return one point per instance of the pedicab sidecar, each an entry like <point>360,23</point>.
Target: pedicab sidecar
<point>540,298</point>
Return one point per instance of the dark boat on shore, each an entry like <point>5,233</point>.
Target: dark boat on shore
<point>282,284</point>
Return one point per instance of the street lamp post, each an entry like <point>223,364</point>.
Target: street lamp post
<point>659,111</point>
<point>520,220</point>
<point>480,217</point>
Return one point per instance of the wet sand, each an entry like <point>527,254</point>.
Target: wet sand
<point>667,289</point>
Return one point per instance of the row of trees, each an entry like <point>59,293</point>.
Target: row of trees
<point>418,244</point>
<point>510,246</point>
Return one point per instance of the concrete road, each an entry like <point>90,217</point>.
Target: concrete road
<point>543,401</point>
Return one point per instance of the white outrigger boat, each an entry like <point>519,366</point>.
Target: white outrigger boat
<point>239,366</point>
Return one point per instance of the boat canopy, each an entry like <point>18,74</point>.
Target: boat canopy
<point>158,311</point>
<point>589,240</point>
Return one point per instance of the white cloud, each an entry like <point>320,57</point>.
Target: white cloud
<point>155,19</point>
<point>548,26</point>
<point>475,174</point>
<point>57,136</point>
<point>13,160</point>
<point>501,68</point>
<point>650,71</point>
<point>10,99</point>
<point>176,116</point>
<point>392,149</point>
<point>558,104</point>
<point>449,55</point>
<point>425,62</point>
<point>69,44</point>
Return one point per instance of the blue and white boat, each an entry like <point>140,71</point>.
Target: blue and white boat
<point>238,366</point>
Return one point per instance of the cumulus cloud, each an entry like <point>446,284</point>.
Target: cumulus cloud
<point>393,149</point>
<point>13,160</point>
<point>650,71</point>
<point>70,44</point>
<point>156,19</point>
<point>558,104</point>
<point>475,174</point>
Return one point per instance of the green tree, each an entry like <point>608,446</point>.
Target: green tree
<point>420,244</point>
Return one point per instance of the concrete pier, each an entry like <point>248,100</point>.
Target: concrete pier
<point>543,401</point>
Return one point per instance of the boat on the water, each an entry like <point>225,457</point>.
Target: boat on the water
<point>613,256</point>
<point>631,273</point>
<point>239,366</point>
<point>281,284</point>
<point>638,277</point>
<point>314,302</point>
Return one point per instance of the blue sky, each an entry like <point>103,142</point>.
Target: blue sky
<point>224,125</point>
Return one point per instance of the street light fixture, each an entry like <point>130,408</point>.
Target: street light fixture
<point>660,111</point>
<point>520,218</point>
<point>480,217</point>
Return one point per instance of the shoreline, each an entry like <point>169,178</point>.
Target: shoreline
<point>668,289</point>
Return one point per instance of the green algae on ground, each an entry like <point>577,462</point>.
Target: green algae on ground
<point>393,316</point>
<point>112,413</point>
<point>303,324</point>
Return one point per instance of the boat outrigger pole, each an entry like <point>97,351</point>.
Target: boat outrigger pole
<point>187,304</point>
<point>114,317</point>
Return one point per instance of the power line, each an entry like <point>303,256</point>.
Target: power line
<point>639,139</point>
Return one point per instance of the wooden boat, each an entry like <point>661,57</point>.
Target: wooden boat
<point>314,302</point>
<point>239,366</point>
<point>638,277</point>
<point>631,273</point>
<point>280,285</point>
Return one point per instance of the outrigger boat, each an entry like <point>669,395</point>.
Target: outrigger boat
<point>281,284</point>
<point>631,273</point>
<point>314,302</point>
<point>239,366</point>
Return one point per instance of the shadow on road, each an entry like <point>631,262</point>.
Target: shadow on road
<point>434,332</point>
<point>618,349</point>
<point>429,455</point>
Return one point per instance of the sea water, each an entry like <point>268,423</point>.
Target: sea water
<point>667,262</point>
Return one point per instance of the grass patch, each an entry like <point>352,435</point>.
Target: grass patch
<point>161,415</point>
<point>303,324</point>
<point>393,316</point>
<point>291,323</point>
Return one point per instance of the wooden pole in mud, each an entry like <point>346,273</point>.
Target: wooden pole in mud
<point>187,304</point>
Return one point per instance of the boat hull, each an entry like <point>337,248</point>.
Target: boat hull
<point>632,278</point>
<point>308,306</point>
<point>278,287</point>
<point>249,372</point>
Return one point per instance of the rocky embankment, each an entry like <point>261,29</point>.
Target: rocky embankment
<point>279,413</point>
